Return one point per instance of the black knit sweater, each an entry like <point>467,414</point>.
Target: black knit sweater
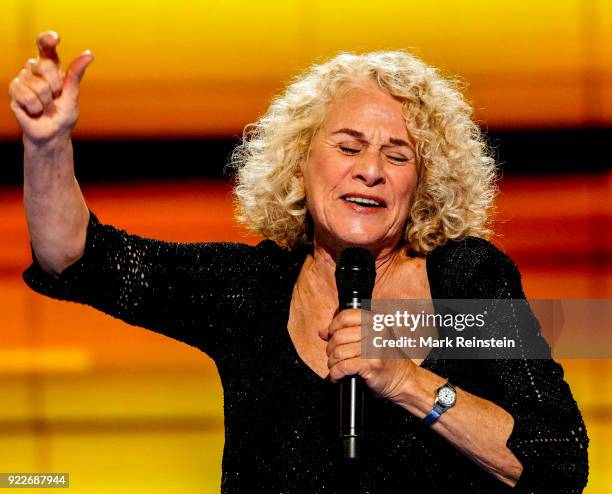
<point>232,301</point>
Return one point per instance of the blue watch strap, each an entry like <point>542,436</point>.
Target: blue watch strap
<point>434,415</point>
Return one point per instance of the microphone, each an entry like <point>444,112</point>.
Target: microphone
<point>355,276</point>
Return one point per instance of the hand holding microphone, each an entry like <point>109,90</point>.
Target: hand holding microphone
<point>44,98</point>
<point>355,277</point>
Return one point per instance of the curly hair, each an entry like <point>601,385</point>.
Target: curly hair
<point>456,183</point>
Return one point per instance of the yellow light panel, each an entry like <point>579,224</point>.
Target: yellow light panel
<point>188,67</point>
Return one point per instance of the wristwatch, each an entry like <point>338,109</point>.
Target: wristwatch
<point>446,396</point>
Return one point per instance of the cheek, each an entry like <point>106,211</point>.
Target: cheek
<point>324,174</point>
<point>409,192</point>
<point>406,191</point>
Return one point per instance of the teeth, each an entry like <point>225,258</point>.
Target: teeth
<point>361,200</point>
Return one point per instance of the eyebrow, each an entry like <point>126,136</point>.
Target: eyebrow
<point>359,135</point>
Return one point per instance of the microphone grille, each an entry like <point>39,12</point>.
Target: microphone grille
<point>355,272</point>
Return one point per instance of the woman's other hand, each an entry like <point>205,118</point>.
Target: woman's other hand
<point>44,98</point>
<point>386,378</point>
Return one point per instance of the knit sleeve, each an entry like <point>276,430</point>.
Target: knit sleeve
<point>549,436</point>
<point>175,289</point>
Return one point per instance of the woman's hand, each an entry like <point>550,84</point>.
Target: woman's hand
<point>45,102</point>
<point>386,378</point>
<point>43,97</point>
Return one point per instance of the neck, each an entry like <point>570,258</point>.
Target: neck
<point>320,267</point>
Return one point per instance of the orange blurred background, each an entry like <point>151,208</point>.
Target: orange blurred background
<point>125,409</point>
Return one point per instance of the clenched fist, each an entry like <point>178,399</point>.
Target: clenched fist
<point>44,98</point>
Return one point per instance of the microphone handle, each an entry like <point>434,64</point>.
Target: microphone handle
<point>352,397</point>
<point>351,416</point>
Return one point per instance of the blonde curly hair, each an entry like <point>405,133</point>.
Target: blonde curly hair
<point>456,172</point>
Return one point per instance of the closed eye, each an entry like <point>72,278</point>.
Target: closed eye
<point>347,150</point>
<point>399,159</point>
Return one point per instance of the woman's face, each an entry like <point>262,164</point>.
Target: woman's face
<point>361,172</point>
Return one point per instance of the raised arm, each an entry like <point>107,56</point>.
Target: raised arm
<point>184,291</point>
<point>44,99</point>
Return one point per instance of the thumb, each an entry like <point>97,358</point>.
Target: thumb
<point>324,334</point>
<point>76,71</point>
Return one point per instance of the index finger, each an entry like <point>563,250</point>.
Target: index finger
<point>47,43</point>
<point>345,319</point>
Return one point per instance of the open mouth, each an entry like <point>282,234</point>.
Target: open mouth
<point>365,202</point>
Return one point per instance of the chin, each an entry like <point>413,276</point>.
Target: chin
<point>358,239</point>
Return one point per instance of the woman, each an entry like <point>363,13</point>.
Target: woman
<point>374,150</point>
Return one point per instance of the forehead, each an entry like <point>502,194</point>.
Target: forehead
<point>367,108</point>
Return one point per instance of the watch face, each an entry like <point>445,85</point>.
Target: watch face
<point>446,396</point>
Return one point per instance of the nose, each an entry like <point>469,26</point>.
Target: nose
<point>369,169</point>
